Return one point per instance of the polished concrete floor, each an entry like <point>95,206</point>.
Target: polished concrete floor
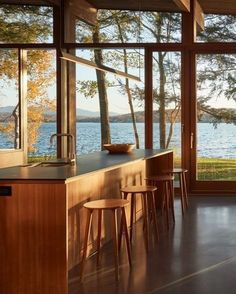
<point>196,256</point>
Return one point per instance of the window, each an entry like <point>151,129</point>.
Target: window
<point>121,119</point>
<point>218,28</point>
<point>115,26</point>
<point>26,24</point>
<point>41,102</point>
<point>9,102</point>
<point>216,112</point>
<point>167,102</point>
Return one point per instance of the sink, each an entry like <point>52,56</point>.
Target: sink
<point>53,163</point>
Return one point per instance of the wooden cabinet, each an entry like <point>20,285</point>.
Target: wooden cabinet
<point>42,224</point>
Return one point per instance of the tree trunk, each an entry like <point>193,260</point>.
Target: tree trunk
<point>132,113</point>
<point>127,88</point>
<point>173,116</point>
<point>15,115</point>
<point>162,116</point>
<point>103,101</point>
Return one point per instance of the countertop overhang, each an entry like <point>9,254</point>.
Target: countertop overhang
<point>86,164</point>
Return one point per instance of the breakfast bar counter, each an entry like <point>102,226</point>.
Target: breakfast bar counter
<point>86,164</point>
<point>42,215</point>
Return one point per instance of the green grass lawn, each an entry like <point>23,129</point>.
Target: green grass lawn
<point>32,159</point>
<point>215,169</point>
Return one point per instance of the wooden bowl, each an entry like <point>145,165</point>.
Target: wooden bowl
<point>119,148</point>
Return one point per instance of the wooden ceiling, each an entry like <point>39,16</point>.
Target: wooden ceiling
<point>161,5</point>
<point>208,6</point>
<point>218,6</point>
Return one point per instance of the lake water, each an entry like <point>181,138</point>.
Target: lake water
<point>217,142</point>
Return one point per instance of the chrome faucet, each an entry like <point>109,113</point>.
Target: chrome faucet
<point>72,153</point>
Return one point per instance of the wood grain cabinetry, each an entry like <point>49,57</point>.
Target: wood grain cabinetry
<point>41,224</point>
<point>32,239</point>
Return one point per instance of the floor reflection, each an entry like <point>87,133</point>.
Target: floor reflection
<point>197,255</point>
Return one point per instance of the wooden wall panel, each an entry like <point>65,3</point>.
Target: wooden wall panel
<point>11,158</point>
<point>159,164</point>
<point>32,240</point>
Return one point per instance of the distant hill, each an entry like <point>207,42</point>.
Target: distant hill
<point>49,115</point>
<point>125,118</point>
<point>84,115</point>
<point>6,109</point>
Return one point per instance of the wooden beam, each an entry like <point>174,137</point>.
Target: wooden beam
<point>54,2</point>
<point>184,5</point>
<point>199,16</point>
<point>104,68</point>
<point>83,10</point>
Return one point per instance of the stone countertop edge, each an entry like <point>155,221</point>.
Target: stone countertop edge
<point>86,165</point>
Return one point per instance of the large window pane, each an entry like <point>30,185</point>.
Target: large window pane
<point>41,102</point>
<point>167,102</point>
<point>9,101</point>
<point>26,24</point>
<point>216,113</point>
<point>120,96</point>
<point>115,26</point>
<point>218,28</point>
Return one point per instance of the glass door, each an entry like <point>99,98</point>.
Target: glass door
<point>167,128</point>
<point>213,141</point>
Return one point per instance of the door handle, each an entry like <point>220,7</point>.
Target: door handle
<point>191,140</point>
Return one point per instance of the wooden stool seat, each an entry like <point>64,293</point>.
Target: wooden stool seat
<point>102,205</point>
<point>148,205</point>
<point>179,170</point>
<point>168,196</point>
<point>106,204</point>
<point>138,189</point>
<point>161,178</point>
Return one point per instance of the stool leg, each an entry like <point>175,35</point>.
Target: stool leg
<point>171,189</point>
<point>121,225</point>
<point>154,213</point>
<point>163,199</point>
<point>125,227</point>
<point>115,242</point>
<point>185,191</point>
<point>167,204</point>
<point>99,235</point>
<point>87,228</point>
<point>181,192</point>
<point>145,218</point>
<point>132,207</point>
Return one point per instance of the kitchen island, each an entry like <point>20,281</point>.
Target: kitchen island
<point>42,215</point>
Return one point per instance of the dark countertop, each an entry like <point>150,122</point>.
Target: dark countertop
<point>86,164</point>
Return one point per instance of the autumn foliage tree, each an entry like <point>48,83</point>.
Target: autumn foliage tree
<point>27,24</point>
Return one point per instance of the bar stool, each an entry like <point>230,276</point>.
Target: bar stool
<point>167,205</point>
<point>180,172</point>
<point>148,206</point>
<point>101,205</point>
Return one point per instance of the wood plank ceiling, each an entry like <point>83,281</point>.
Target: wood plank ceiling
<point>208,6</point>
